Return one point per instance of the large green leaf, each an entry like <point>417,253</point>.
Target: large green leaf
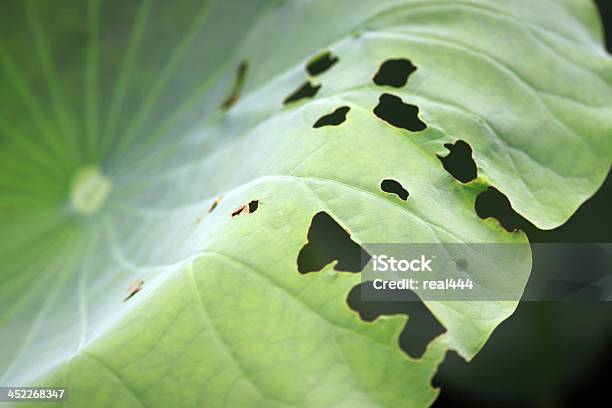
<point>114,146</point>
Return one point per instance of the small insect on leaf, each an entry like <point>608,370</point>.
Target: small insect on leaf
<point>134,288</point>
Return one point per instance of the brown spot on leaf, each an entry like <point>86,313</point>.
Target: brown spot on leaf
<point>8,210</point>
<point>134,288</point>
<point>248,208</point>
<point>215,203</point>
<point>238,84</point>
<point>238,210</point>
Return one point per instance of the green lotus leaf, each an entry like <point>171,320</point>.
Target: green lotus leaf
<point>187,146</point>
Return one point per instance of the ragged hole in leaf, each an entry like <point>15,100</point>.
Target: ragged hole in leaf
<point>321,63</point>
<point>306,90</point>
<point>459,161</point>
<point>394,111</point>
<point>394,187</point>
<point>333,119</point>
<point>492,203</point>
<point>394,72</point>
<point>248,208</point>
<point>422,327</point>
<point>328,241</point>
<point>215,203</point>
<point>134,288</point>
<point>605,9</point>
<point>451,364</point>
<point>238,84</point>
<point>461,264</point>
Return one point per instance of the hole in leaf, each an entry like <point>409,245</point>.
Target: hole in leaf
<point>321,63</point>
<point>605,9</point>
<point>248,208</point>
<point>394,72</point>
<point>422,326</point>
<point>394,111</point>
<point>306,90</point>
<point>492,203</point>
<point>394,187</point>
<point>461,264</point>
<point>328,241</point>
<point>586,223</point>
<point>459,162</point>
<point>238,83</point>
<point>333,119</point>
<point>449,366</point>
